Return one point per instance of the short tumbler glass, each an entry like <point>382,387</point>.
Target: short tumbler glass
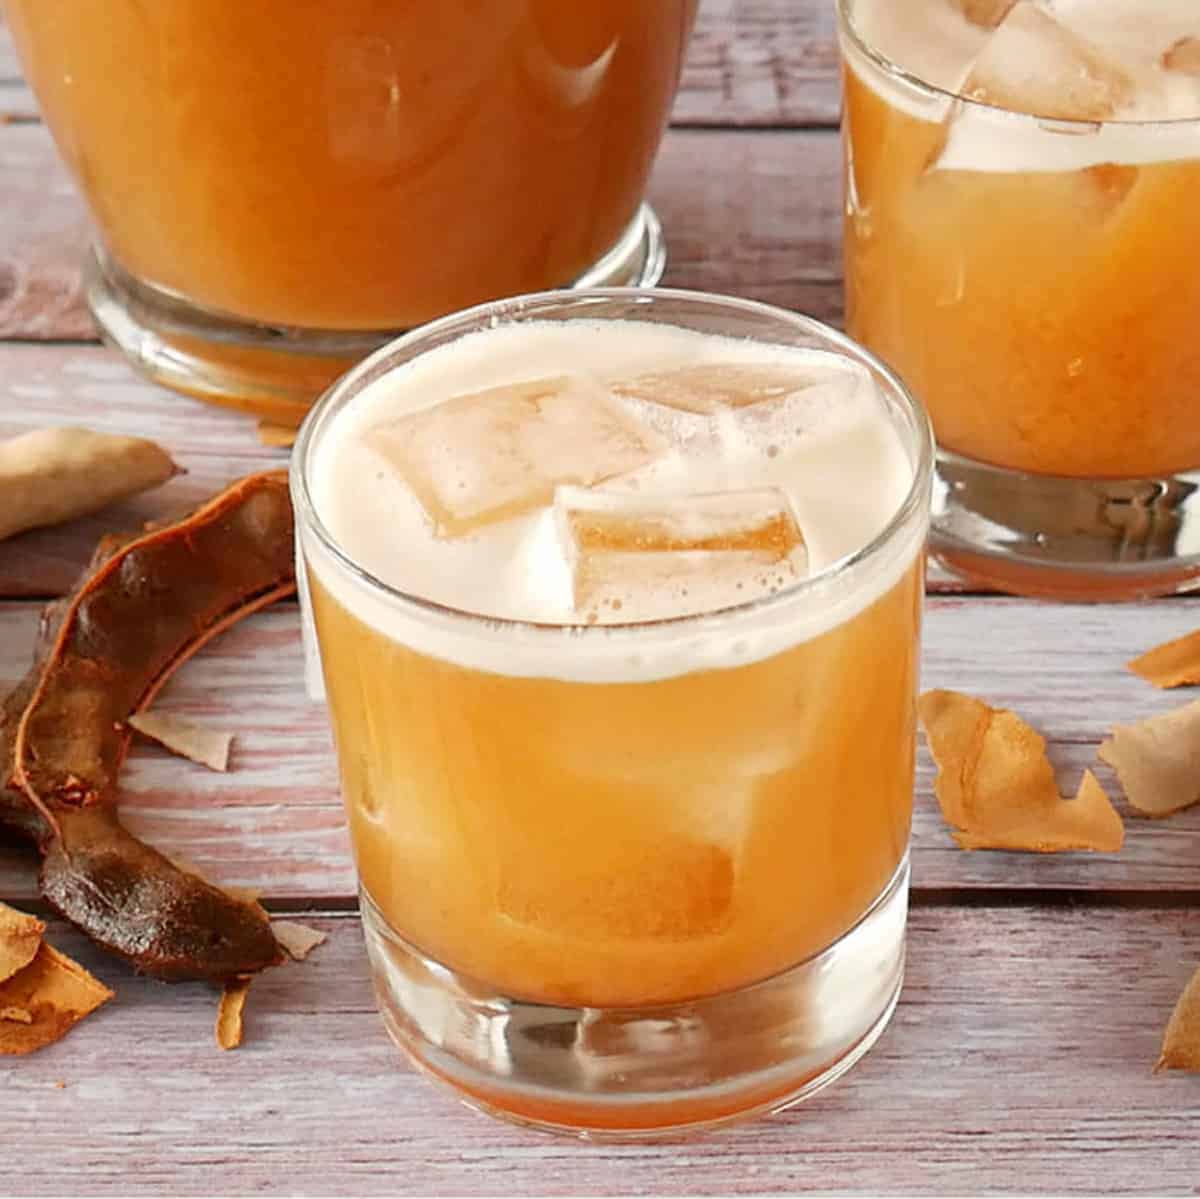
<point>1035,282</point>
<point>622,1032</point>
<point>280,187</point>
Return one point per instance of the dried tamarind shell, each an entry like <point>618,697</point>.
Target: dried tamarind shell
<point>48,476</point>
<point>151,605</point>
<point>144,606</point>
<point>134,902</point>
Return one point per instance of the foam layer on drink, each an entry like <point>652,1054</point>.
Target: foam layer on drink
<point>828,454</point>
<point>1138,61</point>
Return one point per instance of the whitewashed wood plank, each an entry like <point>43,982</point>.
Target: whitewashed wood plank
<point>1062,668</point>
<point>43,232</point>
<point>755,215</point>
<point>761,62</point>
<point>752,214</point>
<point>751,62</point>
<point>17,103</point>
<point>274,822</point>
<point>1018,1061</point>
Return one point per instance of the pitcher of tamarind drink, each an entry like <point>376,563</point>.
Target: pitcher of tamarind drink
<point>277,188</point>
<point>617,596</point>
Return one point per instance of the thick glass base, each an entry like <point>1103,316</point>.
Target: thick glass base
<point>1063,538</point>
<point>645,1073</point>
<point>273,372</point>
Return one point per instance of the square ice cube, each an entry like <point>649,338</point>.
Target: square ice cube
<point>1033,64</point>
<point>637,558</point>
<point>712,387</point>
<point>483,457</point>
<point>673,889</point>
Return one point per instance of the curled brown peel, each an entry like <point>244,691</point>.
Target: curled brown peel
<point>145,606</point>
<point>997,788</point>
<point>1158,760</point>
<point>1181,1041</point>
<point>196,742</point>
<point>52,994</point>
<point>277,436</point>
<point>20,936</point>
<point>136,903</point>
<point>298,940</point>
<point>231,1013</point>
<point>1172,664</point>
<point>142,613</point>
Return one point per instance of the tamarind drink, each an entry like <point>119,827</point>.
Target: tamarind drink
<point>1022,225</point>
<point>606,755</point>
<point>359,165</point>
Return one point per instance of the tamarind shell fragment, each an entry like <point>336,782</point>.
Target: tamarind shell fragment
<point>143,607</point>
<point>136,903</point>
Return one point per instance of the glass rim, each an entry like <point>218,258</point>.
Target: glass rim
<point>1072,125</point>
<point>493,313</point>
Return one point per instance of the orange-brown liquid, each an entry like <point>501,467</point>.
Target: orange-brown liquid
<point>358,164</point>
<point>1047,320</point>
<point>628,843</point>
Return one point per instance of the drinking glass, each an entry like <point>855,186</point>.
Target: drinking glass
<point>556,926</point>
<point>1033,280</point>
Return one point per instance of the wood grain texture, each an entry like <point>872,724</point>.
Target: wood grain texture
<point>755,215</point>
<point>752,214</point>
<point>1018,1060</point>
<point>761,63</point>
<point>43,232</point>
<point>17,104</point>
<point>274,822</point>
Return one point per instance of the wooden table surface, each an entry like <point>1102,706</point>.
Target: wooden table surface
<point>1020,1055</point>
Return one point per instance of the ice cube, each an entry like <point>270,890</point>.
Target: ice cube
<point>988,13</point>
<point>1183,56</point>
<point>771,426</point>
<point>638,558</point>
<point>483,457</point>
<point>1033,64</point>
<point>713,387</point>
<point>669,890</point>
